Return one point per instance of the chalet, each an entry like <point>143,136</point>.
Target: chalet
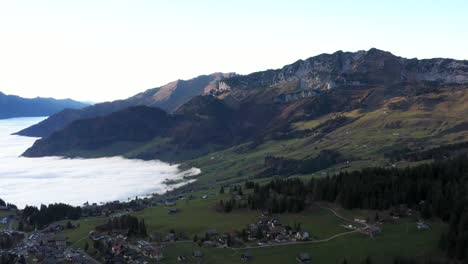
<point>422,226</point>
<point>372,230</point>
<point>212,232</point>
<point>170,237</point>
<point>173,211</point>
<point>209,243</point>
<point>154,252</point>
<point>197,254</point>
<point>281,238</point>
<point>246,256</point>
<point>182,259</point>
<point>169,203</point>
<point>304,258</point>
<point>61,242</point>
<point>302,236</point>
<point>117,249</point>
<point>362,221</point>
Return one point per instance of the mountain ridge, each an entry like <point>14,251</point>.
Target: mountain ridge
<point>15,106</point>
<point>168,97</point>
<point>395,102</point>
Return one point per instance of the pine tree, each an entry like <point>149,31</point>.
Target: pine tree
<point>86,246</point>
<point>367,260</point>
<point>143,231</point>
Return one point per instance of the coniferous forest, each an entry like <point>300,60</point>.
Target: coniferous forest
<point>40,217</point>
<point>438,189</point>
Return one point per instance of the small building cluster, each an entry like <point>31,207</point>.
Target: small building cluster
<point>45,247</point>
<point>270,229</point>
<point>117,247</point>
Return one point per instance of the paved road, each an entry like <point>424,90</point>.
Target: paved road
<point>177,242</point>
<point>89,259</point>
<point>298,243</point>
<point>288,243</point>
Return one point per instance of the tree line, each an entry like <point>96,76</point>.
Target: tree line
<point>286,167</point>
<point>437,153</point>
<point>134,226</point>
<point>437,189</point>
<point>7,205</point>
<point>41,217</point>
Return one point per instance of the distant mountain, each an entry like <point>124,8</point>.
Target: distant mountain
<point>138,125</point>
<point>363,105</point>
<point>168,97</point>
<point>15,106</point>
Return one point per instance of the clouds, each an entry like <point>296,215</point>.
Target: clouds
<point>34,181</point>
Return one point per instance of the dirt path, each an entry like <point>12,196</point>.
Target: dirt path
<point>364,225</point>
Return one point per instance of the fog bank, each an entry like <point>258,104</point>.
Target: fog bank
<point>32,181</point>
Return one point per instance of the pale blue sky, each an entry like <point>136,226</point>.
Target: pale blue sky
<point>102,50</point>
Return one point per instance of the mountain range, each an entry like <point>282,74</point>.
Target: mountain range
<point>360,106</point>
<point>168,97</point>
<point>15,106</point>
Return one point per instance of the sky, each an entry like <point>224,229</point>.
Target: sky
<point>101,50</point>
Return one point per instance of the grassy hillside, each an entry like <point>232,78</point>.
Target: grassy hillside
<point>364,137</point>
<point>363,142</point>
<point>398,239</point>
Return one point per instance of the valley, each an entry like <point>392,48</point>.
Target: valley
<point>358,153</point>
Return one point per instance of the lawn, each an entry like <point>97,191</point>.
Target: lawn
<point>78,236</point>
<point>318,222</point>
<point>395,241</point>
<point>4,214</point>
<point>195,217</point>
<point>198,215</point>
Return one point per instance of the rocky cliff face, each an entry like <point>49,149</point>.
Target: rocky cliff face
<point>174,94</point>
<point>372,67</point>
<point>444,71</point>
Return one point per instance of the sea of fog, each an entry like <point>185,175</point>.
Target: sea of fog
<point>35,181</point>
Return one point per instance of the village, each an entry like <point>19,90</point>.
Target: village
<point>44,247</point>
<point>122,245</point>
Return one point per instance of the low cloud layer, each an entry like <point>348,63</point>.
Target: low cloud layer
<point>33,181</point>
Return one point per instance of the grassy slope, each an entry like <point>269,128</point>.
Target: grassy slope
<point>401,239</point>
<point>423,122</point>
<point>363,142</point>
<point>3,214</point>
<point>79,235</point>
<point>197,216</point>
<point>354,247</point>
